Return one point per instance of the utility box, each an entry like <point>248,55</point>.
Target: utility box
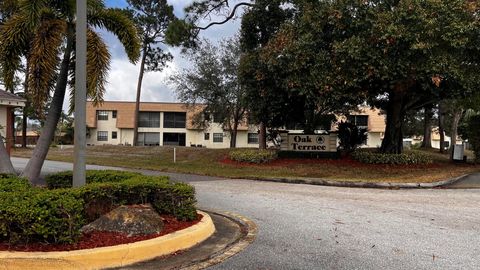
<point>458,152</point>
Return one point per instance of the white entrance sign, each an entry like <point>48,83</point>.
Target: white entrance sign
<point>309,143</point>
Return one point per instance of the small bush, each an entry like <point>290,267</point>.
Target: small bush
<point>350,136</point>
<point>397,159</point>
<point>64,179</point>
<point>37,215</point>
<point>30,214</point>
<point>166,197</point>
<point>9,183</point>
<point>253,155</point>
<point>473,134</point>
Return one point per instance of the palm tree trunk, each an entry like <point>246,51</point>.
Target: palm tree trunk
<point>35,164</point>
<point>139,92</point>
<point>5,162</point>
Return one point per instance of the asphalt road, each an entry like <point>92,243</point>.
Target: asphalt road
<point>315,227</point>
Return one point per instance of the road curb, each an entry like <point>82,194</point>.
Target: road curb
<point>249,233</point>
<point>114,256</point>
<point>353,184</point>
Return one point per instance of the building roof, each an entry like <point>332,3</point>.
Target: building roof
<point>9,99</point>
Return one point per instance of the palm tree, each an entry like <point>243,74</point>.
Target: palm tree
<point>46,30</point>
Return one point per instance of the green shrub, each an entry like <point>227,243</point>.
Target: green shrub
<point>9,183</point>
<point>30,214</point>
<point>253,155</point>
<point>398,159</point>
<point>166,197</point>
<point>38,215</point>
<point>350,136</point>
<point>64,179</point>
<point>473,134</point>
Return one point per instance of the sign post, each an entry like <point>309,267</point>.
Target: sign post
<point>79,165</point>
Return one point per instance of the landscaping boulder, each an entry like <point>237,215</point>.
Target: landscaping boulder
<point>129,219</point>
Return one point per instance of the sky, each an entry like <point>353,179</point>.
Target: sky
<point>122,80</point>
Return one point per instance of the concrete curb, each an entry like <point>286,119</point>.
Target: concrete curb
<point>355,184</point>
<point>250,231</point>
<point>115,256</point>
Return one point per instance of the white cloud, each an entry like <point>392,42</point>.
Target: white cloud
<point>123,75</point>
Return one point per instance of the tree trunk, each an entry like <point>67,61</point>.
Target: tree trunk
<point>5,162</point>
<point>233,135</point>
<point>139,92</point>
<point>24,127</point>
<point>427,128</point>
<point>441,126</point>
<point>393,138</point>
<point>262,137</point>
<point>457,116</point>
<point>35,164</point>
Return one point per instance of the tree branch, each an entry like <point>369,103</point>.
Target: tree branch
<point>229,17</point>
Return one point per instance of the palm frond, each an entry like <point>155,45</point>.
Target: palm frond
<point>14,41</point>
<point>43,59</point>
<point>98,65</point>
<point>118,23</point>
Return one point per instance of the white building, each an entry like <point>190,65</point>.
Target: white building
<point>159,124</point>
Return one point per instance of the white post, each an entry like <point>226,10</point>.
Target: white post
<point>79,165</point>
<point>174,155</point>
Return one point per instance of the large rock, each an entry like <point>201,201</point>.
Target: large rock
<point>128,219</point>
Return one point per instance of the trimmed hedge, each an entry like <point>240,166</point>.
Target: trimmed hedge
<point>30,214</point>
<point>253,155</point>
<point>37,215</point>
<point>395,159</point>
<point>64,179</point>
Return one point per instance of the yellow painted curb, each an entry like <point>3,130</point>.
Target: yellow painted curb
<point>114,256</point>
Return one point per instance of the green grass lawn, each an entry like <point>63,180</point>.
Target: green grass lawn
<point>215,163</point>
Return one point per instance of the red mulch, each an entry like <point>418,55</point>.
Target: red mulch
<point>343,162</point>
<point>104,239</point>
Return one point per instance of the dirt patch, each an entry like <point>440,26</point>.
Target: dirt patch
<point>104,239</point>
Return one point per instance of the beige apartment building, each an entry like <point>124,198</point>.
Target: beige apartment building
<point>160,124</point>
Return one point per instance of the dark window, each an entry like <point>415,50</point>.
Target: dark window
<point>174,139</point>
<point>148,138</point>
<point>174,119</point>
<point>114,114</point>
<point>252,138</point>
<point>102,115</point>
<point>207,136</point>
<point>114,135</point>
<point>102,136</point>
<point>217,137</point>
<point>149,119</point>
<point>358,120</point>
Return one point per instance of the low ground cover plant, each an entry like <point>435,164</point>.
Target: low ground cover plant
<point>372,157</point>
<point>55,215</point>
<point>253,155</point>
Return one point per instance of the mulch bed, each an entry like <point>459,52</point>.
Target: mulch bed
<point>343,162</point>
<point>103,239</point>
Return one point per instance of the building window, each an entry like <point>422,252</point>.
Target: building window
<point>148,138</point>
<point>174,119</point>
<point>252,138</point>
<point>207,136</point>
<point>102,115</point>
<point>149,119</point>
<point>178,139</point>
<point>218,137</point>
<point>114,114</point>
<point>359,120</point>
<point>102,136</point>
<point>114,135</point>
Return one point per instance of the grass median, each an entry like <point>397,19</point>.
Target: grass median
<point>214,162</point>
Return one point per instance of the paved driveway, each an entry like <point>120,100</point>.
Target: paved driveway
<point>315,227</point>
